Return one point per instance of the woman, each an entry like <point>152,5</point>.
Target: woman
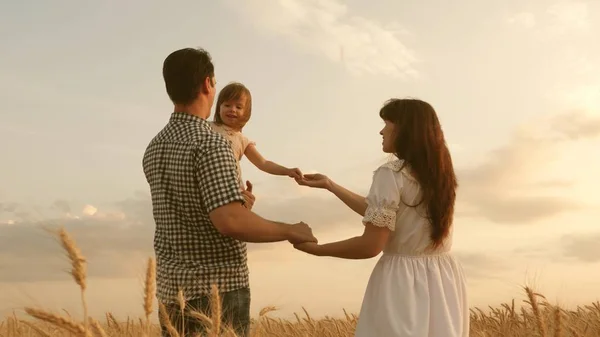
<point>417,288</point>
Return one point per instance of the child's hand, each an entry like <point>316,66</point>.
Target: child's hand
<point>295,173</point>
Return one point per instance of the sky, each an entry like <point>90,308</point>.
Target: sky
<point>516,85</point>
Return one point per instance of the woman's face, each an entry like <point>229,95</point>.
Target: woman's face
<point>389,134</point>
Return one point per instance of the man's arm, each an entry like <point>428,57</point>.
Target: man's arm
<point>242,224</point>
<point>217,177</point>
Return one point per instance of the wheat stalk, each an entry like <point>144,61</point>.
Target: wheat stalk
<point>505,320</point>
<point>149,291</point>
<point>166,321</point>
<point>58,321</point>
<point>215,310</point>
<point>78,268</point>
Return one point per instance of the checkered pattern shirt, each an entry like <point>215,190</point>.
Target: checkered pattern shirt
<point>191,171</point>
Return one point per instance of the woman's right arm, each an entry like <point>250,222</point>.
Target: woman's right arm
<point>356,202</point>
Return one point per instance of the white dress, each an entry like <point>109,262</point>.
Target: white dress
<point>238,143</point>
<point>413,291</point>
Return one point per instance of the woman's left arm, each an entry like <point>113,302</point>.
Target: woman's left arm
<point>383,202</point>
<point>366,246</point>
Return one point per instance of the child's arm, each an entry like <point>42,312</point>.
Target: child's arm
<point>268,166</point>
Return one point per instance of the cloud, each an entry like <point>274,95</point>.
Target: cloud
<point>576,126</point>
<point>6,207</point>
<point>585,96</point>
<point>480,266</point>
<point>62,206</point>
<point>581,247</point>
<point>569,16</point>
<point>559,18</point>
<point>506,188</point>
<point>8,222</point>
<point>117,241</point>
<point>327,28</point>
<point>524,19</point>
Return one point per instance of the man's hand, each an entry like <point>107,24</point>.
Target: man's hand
<point>249,198</point>
<point>300,233</point>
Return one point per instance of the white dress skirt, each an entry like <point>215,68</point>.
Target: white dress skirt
<point>413,291</point>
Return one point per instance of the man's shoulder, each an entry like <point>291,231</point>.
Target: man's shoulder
<point>186,138</point>
<point>189,134</point>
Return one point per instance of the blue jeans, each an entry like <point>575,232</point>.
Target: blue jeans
<point>235,306</point>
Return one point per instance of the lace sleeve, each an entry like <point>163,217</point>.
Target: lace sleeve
<point>383,199</point>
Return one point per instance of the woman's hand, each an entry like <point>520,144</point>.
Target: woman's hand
<point>315,180</point>
<point>308,247</point>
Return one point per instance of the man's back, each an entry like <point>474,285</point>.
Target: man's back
<point>191,171</point>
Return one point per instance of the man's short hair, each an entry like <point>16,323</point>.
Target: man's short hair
<point>184,72</point>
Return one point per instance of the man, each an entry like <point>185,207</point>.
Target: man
<point>203,219</point>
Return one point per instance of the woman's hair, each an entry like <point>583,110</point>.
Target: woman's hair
<point>419,141</point>
<point>231,91</point>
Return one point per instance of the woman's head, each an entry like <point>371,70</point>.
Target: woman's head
<point>413,133</point>
<point>234,106</point>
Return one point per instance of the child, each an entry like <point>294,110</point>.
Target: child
<point>233,110</point>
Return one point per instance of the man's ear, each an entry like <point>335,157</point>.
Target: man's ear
<point>209,83</point>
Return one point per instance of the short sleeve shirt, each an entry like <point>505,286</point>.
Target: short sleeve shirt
<point>191,171</point>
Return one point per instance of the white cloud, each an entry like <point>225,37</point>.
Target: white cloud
<point>89,210</point>
<point>512,185</point>
<point>524,19</point>
<point>559,18</point>
<point>327,28</point>
<point>585,97</point>
<point>569,16</point>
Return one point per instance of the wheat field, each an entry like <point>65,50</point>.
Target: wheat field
<point>537,318</point>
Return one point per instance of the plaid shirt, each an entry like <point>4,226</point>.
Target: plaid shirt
<point>191,171</point>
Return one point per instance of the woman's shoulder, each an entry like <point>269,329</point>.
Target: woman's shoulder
<point>396,165</point>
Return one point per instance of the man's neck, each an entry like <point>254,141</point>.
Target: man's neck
<point>195,109</point>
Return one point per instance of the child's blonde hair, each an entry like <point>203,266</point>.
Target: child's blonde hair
<point>231,91</point>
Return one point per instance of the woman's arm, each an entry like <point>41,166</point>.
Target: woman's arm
<point>366,246</point>
<point>356,202</point>
<point>265,165</point>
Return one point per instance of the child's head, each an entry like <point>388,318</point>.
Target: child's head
<point>234,106</point>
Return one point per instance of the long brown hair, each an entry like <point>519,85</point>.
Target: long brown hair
<point>231,91</point>
<point>419,141</point>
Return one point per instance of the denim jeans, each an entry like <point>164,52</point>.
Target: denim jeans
<point>235,307</point>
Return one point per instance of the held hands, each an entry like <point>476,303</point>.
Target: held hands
<point>315,180</point>
<point>294,173</point>
<point>300,233</point>
<point>304,239</point>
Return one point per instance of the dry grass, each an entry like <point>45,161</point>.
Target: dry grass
<point>536,318</point>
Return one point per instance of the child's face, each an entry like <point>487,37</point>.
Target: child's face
<point>232,111</point>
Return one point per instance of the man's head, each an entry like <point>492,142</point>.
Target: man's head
<point>189,76</point>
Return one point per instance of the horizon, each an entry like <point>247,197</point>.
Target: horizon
<point>515,85</point>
